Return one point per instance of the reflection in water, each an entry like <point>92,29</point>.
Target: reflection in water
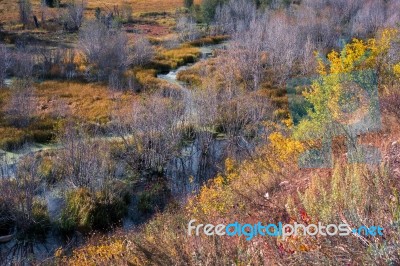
<point>198,162</point>
<point>203,158</point>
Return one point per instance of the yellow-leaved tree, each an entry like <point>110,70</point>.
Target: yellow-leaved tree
<point>358,63</point>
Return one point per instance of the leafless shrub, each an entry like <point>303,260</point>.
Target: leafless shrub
<point>143,52</point>
<point>187,29</point>
<point>56,62</point>
<point>5,63</point>
<point>236,113</point>
<point>284,42</point>
<point>249,51</point>
<point>345,10</point>
<point>18,194</point>
<point>235,16</point>
<point>290,37</point>
<point>151,132</point>
<point>26,186</point>
<point>391,104</point>
<point>392,14</point>
<point>73,16</point>
<point>25,10</point>
<point>105,49</point>
<point>307,57</point>
<point>116,80</point>
<point>315,25</point>
<point>21,107</point>
<point>50,59</point>
<point>242,113</point>
<point>83,161</point>
<point>368,19</point>
<point>23,63</point>
<point>23,210</point>
<point>281,46</point>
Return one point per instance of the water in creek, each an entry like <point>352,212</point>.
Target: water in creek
<point>203,158</point>
<point>8,82</point>
<point>198,161</point>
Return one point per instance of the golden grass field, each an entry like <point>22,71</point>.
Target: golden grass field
<point>90,102</point>
<point>86,101</point>
<point>9,8</point>
<point>141,6</point>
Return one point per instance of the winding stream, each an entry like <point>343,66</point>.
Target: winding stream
<point>198,161</point>
<point>203,158</point>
